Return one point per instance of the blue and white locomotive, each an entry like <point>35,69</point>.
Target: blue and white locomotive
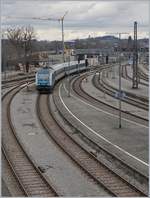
<point>44,79</point>
<point>47,77</point>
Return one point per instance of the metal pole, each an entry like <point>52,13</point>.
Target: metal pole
<point>99,76</point>
<point>120,91</point>
<point>25,60</point>
<point>5,74</point>
<point>119,80</point>
<point>78,66</point>
<point>69,77</point>
<point>62,23</point>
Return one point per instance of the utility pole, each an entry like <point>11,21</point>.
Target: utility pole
<point>135,59</point>
<point>120,91</point>
<point>4,57</point>
<point>69,76</point>
<point>120,95</point>
<point>62,27</point>
<point>120,80</point>
<point>71,43</point>
<point>63,46</point>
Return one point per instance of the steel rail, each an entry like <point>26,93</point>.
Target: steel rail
<point>129,98</point>
<point>116,185</point>
<point>96,146</point>
<point>77,88</point>
<point>27,173</point>
<point>126,76</point>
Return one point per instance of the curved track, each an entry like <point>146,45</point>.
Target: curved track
<point>126,76</point>
<point>10,186</point>
<point>131,98</point>
<point>17,81</point>
<point>138,101</point>
<point>98,171</point>
<point>77,88</point>
<point>31,180</point>
<point>143,75</point>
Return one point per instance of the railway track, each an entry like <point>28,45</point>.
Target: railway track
<point>29,177</point>
<point>126,76</point>
<point>18,78</point>
<point>109,159</point>
<point>77,88</point>
<point>136,100</point>
<point>98,171</point>
<point>10,186</point>
<point>143,76</point>
<point>15,82</point>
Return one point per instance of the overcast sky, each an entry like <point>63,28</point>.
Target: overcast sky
<point>84,18</point>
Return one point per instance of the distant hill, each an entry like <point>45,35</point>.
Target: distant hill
<point>107,38</point>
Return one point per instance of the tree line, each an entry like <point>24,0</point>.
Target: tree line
<point>19,43</point>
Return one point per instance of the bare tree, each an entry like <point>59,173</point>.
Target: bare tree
<point>21,38</point>
<point>27,35</point>
<point>14,36</point>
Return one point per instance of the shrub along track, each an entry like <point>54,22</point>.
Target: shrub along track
<point>29,177</point>
<point>116,185</point>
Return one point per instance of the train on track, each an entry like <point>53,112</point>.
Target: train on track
<point>47,77</point>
